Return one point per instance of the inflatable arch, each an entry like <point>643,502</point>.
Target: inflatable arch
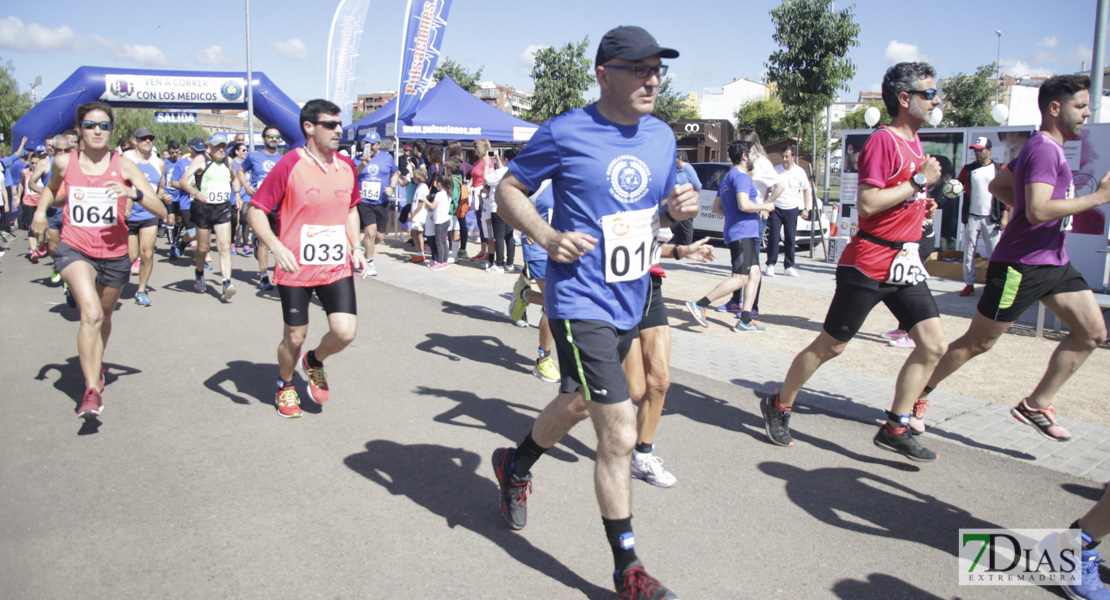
<point>142,88</point>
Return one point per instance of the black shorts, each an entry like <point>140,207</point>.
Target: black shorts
<point>373,214</point>
<point>745,255</point>
<point>133,227</point>
<point>207,216</point>
<point>592,351</point>
<point>184,217</point>
<point>1012,288</point>
<point>336,297</point>
<point>655,310</point>
<point>110,272</point>
<point>856,294</point>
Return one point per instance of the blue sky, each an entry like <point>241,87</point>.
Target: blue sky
<point>719,40</point>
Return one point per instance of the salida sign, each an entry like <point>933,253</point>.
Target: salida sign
<point>150,88</point>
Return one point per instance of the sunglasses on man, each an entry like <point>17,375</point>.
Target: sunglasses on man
<point>928,94</point>
<point>102,125</point>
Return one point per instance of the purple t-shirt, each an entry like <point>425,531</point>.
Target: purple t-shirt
<point>1042,160</point>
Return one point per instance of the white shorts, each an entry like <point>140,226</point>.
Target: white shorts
<point>454,224</point>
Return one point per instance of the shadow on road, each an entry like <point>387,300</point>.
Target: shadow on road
<point>880,587</point>
<point>479,348</point>
<point>472,500</point>
<point>253,381</point>
<point>71,383</point>
<point>861,502</point>
<point>480,313</point>
<point>503,418</point>
<point>1090,492</point>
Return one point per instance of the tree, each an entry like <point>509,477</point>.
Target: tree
<point>560,75</point>
<point>766,117</point>
<point>13,103</point>
<point>967,99</point>
<point>466,80</point>
<point>811,64</point>
<point>855,120</point>
<point>130,119</point>
<point>670,106</point>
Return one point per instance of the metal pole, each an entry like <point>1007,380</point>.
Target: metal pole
<point>998,67</point>
<point>1096,64</point>
<point>250,85</point>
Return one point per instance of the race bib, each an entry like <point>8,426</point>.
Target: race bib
<point>218,193</point>
<point>92,207</point>
<point>322,245</point>
<point>907,268</point>
<point>371,190</point>
<point>629,244</point>
<point>1065,223</point>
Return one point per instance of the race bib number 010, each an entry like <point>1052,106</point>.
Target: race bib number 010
<point>907,268</point>
<point>323,245</point>
<point>218,193</point>
<point>371,190</point>
<point>629,239</point>
<point>92,207</point>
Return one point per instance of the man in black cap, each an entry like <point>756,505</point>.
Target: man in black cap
<point>600,241</point>
<point>982,214</point>
<point>183,200</point>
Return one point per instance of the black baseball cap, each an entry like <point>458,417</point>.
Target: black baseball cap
<point>197,145</point>
<point>142,132</point>
<point>630,43</point>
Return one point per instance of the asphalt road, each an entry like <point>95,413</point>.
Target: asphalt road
<point>193,487</point>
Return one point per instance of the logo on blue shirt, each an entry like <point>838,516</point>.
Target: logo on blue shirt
<point>628,178</point>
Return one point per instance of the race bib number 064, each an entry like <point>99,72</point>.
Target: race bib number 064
<point>628,244</point>
<point>322,245</point>
<point>92,207</point>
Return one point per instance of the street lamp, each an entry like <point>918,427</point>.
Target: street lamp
<point>998,65</point>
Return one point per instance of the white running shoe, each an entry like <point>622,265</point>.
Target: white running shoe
<point>792,272</point>
<point>652,471</point>
<point>371,270</point>
<point>769,271</point>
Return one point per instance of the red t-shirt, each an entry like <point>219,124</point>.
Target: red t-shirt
<point>887,161</point>
<point>314,205</point>
<point>30,198</point>
<point>92,222</point>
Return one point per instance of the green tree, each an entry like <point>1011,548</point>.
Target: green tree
<point>466,80</point>
<point>812,63</point>
<point>967,99</point>
<point>560,76</point>
<point>670,106</point>
<point>13,103</point>
<point>855,120</point>
<point>766,117</point>
<point>130,119</point>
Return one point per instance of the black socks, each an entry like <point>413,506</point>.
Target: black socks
<point>526,455</point>
<point>621,540</point>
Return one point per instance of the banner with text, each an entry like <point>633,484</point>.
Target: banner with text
<point>343,46</point>
<point>184,89</point>
<point>425,28</point>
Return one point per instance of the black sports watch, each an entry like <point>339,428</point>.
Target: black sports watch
<point>918,181</point>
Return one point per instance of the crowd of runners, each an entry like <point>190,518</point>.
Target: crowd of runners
<point>594,196</point>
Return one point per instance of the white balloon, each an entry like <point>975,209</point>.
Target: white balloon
<point>936,116</point>
<point>1000,113</point>
<point>871,116</point>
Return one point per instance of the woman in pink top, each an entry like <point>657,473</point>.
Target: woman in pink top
<point>100,188</point>
<point>483,165</point>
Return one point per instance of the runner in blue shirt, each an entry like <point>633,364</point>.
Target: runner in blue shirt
<point>142,226</point>
<point>184,201</point>
<point>611,166</point>
<point>377,179</point>
<point>259,164</point>
<point>684,231</point>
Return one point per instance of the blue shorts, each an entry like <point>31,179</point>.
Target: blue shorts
<point>54,217</point>
<point>535,269</point>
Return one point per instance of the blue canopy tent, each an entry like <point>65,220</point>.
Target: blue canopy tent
<point>145,88</point>
<point>446,112</point>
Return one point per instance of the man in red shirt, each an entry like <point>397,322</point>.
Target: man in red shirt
<point>315,189</point>
<point>881,264</point>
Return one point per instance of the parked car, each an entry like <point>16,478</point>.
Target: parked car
<point>707,223</point>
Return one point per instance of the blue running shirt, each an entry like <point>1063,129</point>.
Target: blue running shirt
<point>375,178</point>
<point>138,213</point>
<point>608,181</point>
<point>739,225</point>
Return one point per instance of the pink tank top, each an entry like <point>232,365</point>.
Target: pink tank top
<point>93,222</point>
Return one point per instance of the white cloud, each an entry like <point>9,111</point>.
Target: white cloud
<point>527,59</point>
<point>875,87</point>
<point>32,37</point>
<point>897,52</point>
<point>213,56</point>
<point>1020,68</point>
<point>293,49</point>
<point>144,55</point>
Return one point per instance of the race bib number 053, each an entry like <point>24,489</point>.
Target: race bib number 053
<point>629,237</point>
<point>92,207</point>
<point>219,194</point>
<point>322,245</point>
<point>907,268</point>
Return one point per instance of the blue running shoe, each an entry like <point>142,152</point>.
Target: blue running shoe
<point>1090,587</point>
<point>141,299</point>
<point>731,307</point>
<point>201,285</point>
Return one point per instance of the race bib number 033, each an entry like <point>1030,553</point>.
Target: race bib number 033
<point>629,237</point>
<point>92,207</point>
<point>322,245</point>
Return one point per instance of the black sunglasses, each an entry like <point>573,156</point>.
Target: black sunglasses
<point>147,138</point>
<point>641,71</point>
<point>928,94</point>
<point>329,125</point>
<point>103,125</point>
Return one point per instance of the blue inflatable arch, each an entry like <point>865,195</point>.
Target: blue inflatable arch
<point>144,88</point>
